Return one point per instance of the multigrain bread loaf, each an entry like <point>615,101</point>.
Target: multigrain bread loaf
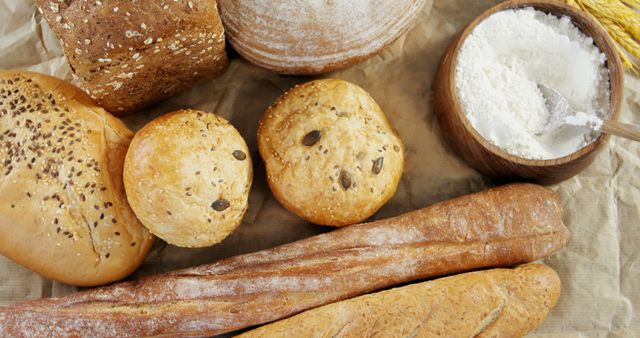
<point>311,37</point>
<point>63,210</point>
<point>491,303</point>
<point>331,155</point>
<point>130,54</point>
<point>499,227</point>
<point>187,175</point>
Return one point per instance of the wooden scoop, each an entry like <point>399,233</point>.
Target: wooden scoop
<point>563,114</point>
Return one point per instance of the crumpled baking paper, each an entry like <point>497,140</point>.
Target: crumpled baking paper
<point>600,269</point>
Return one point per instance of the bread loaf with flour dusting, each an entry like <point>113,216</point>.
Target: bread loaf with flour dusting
<point>503,226</point>
<point>311,37</point>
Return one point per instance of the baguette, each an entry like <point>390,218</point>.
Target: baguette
<point>492,303</point>
<point>508,225</point>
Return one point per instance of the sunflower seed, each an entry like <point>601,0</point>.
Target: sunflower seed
<point>345,179</point>
<point>311,138</point>
<point>220,205</point>
<point>377,165</point>
<point>239,155</point>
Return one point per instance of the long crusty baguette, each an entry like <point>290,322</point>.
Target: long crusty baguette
<point>492,303</point>
<point>503,226</point>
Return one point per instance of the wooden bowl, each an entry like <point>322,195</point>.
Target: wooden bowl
<point>488,158</point>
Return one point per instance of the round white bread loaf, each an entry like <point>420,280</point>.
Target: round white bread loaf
<point>311,37</point>
<point>187,176</point>
<point>330,153</point>
<point>63,210</point>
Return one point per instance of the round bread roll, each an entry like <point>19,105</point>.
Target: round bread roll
<point>330,153</point>
<point>187,176</point>
<point>311,37</point>
<point>63,210</point>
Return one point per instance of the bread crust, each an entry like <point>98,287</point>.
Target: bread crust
<point>490,303</point>
<point>178,166</point>
<point>508,225</point>
<point>62,186</point>
<point>305,37</point>
<point>131,54</point>
<point>356,140</point>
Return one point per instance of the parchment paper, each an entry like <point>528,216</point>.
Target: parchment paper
<point>600,269</point>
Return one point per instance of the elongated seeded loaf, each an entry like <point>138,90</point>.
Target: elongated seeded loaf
<point>130,54</point>
<point>63,209</point>
<point>491,303</point>
<point>503,226</point>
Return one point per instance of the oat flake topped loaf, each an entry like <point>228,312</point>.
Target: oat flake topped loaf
<point>63,210</point>
<point>317,36</point>
<point>129,54</point>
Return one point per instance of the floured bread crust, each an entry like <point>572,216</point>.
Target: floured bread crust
<point>330,153</point>
<point>311,37</point>
<point>503,226</point>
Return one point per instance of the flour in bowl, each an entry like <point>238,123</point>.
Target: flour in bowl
<point>498,69</point>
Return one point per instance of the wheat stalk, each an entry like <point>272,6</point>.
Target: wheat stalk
<point>621,20</point>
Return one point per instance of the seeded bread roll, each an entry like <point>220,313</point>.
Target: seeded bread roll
<point>311,37</point>
<point>63,210</point>
<point>187,176</point>
<point>130,54</point>
<point>492,303</point>
<point>330,153</point>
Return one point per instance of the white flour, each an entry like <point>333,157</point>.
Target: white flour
<point>499,66</point>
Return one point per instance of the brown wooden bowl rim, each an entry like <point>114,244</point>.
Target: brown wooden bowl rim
<point>574,15</point>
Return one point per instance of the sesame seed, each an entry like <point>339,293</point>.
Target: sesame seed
<point>130,33</point>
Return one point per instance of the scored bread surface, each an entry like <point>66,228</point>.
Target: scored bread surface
<point>63,210</point>
<point>504,226</point>
<point>187,176</point>
<point>331,155</point>
<point>130,54</point>
<point>311,37</point>
<point>492,303</point>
